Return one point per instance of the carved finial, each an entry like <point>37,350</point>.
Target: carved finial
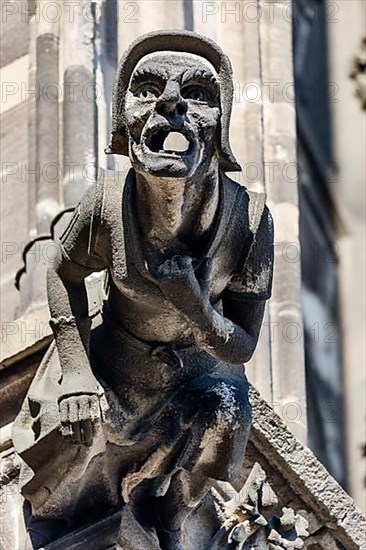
<point>249,520</point>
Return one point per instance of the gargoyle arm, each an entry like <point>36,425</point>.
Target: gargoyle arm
<point>68,303</point>
<point>233,336</point>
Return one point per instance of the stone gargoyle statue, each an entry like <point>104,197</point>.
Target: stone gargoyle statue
<point>144,405</point>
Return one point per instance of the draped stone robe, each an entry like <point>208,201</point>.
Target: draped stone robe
<point>166,403</point>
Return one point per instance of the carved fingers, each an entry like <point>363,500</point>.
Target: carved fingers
<point>187,286</point>
<point>178,282</point>
<point>79,415</point>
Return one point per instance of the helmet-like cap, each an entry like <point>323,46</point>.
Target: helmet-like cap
<point>175,41</point>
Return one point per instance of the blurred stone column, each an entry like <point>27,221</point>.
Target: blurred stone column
<point>44,172</point>
<point>47,115</point>
<point>105,69</point>
<point>80,124</point>
<point>32,108</point>
<point>279,156</point>
<point>346,31</point>
<point>247,140</point>
<point>139,17</point>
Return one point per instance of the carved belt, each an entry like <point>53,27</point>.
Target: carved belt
<point>167,353</point>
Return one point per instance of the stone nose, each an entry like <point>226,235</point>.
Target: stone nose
<point>171,101</point>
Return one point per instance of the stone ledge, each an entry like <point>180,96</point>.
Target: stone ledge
<point>306,476</point>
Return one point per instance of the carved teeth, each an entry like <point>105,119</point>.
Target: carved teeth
<point>176,153</point>
<point>171,143</point>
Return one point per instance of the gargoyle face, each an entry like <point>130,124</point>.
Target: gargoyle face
<point>172,114</point>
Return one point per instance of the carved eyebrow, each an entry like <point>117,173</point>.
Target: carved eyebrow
<point>203,75</point>
<point>157,73</point>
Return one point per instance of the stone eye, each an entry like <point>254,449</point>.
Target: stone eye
<point>197,93</point>
<point>148,91</point>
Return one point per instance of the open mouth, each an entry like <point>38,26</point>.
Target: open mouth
<point>169,143</point>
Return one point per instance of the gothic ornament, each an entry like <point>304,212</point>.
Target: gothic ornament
<point>252,519</point>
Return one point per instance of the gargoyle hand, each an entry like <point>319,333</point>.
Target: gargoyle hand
<point>183,285</point>
<point>80,411</point>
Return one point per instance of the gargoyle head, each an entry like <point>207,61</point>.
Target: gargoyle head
<point>172,105</point>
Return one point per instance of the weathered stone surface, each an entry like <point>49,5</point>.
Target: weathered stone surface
<point>141,404</point>
<point>104,533</point>
<point>334,522</point>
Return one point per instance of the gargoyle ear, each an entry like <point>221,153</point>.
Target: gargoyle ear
<point>118,144</point>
